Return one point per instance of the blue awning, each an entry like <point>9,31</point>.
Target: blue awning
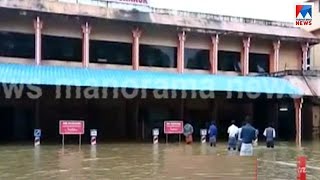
<point>73,76</point>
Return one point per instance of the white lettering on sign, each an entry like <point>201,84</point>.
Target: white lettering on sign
<point>302,170</point>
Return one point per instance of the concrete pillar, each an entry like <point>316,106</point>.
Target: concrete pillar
<point>136,108</point>
<point>304,48</point>
<point>38,30</point>
<point>37,114</point>
<point>274,58</point>
<point>214,54</point>
<point>182,110</point>
<point>298,106</point>
<point>86,29</point>
<point>136,33</point>
<point>180,53</point>
<point>245,56</point>
<point>316,122</point>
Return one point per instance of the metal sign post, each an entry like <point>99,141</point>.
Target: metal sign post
<point>63,140</point>
<point>79,140</point>
<point>166,138</point>
<point>93,134</point>
<point>37,136</point>
<point>155,133</point>
<point>203,133</point>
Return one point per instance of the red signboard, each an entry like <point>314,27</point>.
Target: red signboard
<point>71,127</point>
<point>173,127</point>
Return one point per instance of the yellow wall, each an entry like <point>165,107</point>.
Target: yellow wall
<point>198,41</point>
<point>228,43</point>
<point>16,24</point>
<point>159,36</point>
<point>289,56</point>
<point>261,46</point>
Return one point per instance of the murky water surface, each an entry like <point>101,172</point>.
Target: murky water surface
<point>147,161</point>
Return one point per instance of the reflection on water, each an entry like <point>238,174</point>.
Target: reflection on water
<point>148,161</point>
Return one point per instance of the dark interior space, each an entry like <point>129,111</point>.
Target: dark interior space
<point>196,59</point>
<point>286,121</point>
<point>110,52</point>
<point>259,63</point>
<point>17,124</point>
<point>158,56</point>
<point>17,45</point>
<point>262,116</point>
<point>61,48</point>
<point>120,119</point>
<point>229,61</point>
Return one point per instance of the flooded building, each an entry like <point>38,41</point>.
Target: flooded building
<point>125,69</point>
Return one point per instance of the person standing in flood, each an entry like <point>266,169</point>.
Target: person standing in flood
<point>239,139</point>
<point>232,131</point>
<point>213,132</point>
<point>270,134</point>
<point>248,135</point>
<point>188,131</point>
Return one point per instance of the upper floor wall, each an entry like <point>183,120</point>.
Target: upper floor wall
<point>316,16</point>
<point>198,45</point>
<point>153,35</point>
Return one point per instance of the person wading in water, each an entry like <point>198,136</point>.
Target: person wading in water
<point>247,135</point>
<point>188,131</point>
<point>213,132</point>
<point>233,132</point>
<point>270,134</point>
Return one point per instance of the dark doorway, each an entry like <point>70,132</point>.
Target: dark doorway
<point>286,122</point>
<point>16,125</point>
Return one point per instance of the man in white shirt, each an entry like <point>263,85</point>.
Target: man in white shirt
<point>233,131</point>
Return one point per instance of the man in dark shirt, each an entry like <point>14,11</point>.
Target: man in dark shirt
<point>270,134</point>
<point>247,136</point>
<point>213,131</point>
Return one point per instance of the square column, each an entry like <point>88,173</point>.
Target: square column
<point>86,29</point>
<point>297,107</point>
<point>136,33</point>
<point>37,23</point>
<point>245,56</point>
<point>274,58</point>
<point>214,54</point>
<point>304,62</point>
<point>180,53</point>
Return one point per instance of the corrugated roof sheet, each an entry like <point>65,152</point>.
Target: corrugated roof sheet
<point>299,83</point>
<point>308,85</point>
<point>56,75</point>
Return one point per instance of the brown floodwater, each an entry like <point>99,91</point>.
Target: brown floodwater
<point>148,161</point>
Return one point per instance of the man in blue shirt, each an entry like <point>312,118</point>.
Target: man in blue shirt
<point>247,136</point>
<point>213,132</point>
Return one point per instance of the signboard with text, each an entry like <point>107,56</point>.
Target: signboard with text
<point>71,127</point>
<point>173,127</point>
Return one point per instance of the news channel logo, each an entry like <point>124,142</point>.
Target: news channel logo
<point>304,14</point>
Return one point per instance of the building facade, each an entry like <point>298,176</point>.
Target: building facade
<point>210,67</point>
